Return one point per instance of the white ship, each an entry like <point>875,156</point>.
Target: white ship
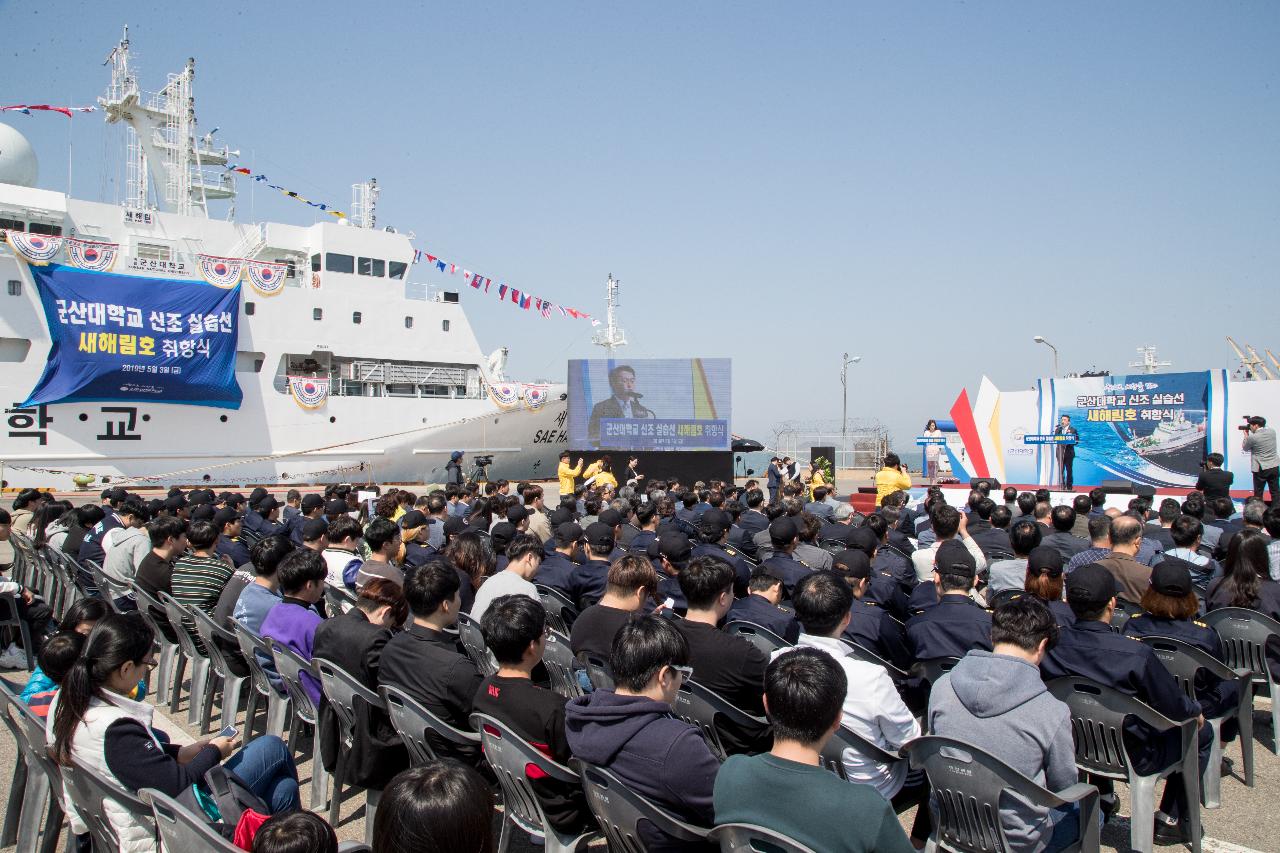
<point>407,381</point>
<point>1173,441</point>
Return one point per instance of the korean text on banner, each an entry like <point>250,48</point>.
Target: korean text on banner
<point>119,337</point>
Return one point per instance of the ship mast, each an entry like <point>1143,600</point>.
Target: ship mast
<point>168,167</point>
<point>1149,363</point>
<point>612,336</point>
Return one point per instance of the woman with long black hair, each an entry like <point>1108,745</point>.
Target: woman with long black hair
<point>1246,582</point>
<point>95,722</point>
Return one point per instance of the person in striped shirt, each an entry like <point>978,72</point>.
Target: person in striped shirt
<point>200,575</point>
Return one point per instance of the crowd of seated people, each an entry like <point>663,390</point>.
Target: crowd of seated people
<point>1003,595</point>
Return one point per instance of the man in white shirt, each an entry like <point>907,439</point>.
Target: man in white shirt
<point>524,556</point>
<point>948,523</point>
<point>872,707</point>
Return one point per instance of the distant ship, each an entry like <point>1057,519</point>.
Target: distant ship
<point>351,372</point>
<point>1177,444</point>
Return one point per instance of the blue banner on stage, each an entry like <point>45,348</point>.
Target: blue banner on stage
<point>120,337</point>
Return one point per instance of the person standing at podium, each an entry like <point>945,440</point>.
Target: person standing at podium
<point>1066,452</point>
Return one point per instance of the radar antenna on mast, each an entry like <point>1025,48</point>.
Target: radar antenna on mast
<point>612,336</point>
<point>1149,363</point>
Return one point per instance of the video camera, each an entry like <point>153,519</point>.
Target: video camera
<point>483,461</point>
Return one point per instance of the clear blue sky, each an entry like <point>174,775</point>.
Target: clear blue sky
<point>927,185</point>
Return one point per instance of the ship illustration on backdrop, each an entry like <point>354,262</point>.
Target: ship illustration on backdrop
<point>1177,443</point>
<point>349,370</point>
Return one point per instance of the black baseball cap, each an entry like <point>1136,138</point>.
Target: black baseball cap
<point>1091,584</point>
<point>314,529</point>
<point>953,558</point>
<point>600,534</point>
<point>310,502</point>
<point>257,495</point>
<point>1045,560</point>
<point>203,512</point>
<point>267,504</point>
<point>610,517</point>
<point>198,497</point>
<point>568,532</point>
<point>675,546</point>
<point>223,517</point>
<point>335,507</point>
<point>502,533</point>
<point>715,521</point>
<point>560,515</point>
<point>413,519</point>
<point>174,491</point>
<point>517,514</point>
<point>782,530</point>
<point>864,539</point>
<point>175,503</point>
<point>852,563</point>
<point>453,525</point>
<point>1171,579</point>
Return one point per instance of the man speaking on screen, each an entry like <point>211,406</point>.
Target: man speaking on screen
<point>623,403</point>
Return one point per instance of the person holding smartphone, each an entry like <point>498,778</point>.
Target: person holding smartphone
<point>95,722</point>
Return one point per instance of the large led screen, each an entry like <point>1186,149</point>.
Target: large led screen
<point>649,404</point>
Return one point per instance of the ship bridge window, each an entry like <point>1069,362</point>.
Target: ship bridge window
<point>444,325</point>
<point>12,224</point>
<point>290,270</point>
<point>372,266</point>
<point>315,263</point>
<point>334,262</point>
<point>14,349</point>
<point>249,308</point>
<point>154,252</point>
<point>408,322</point>
<point>396,269</point>
<point>45,228</point>
<point>15,287</point>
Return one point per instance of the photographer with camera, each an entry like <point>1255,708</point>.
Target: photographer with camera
<point>1213,481</point>
<point>1260,443</point>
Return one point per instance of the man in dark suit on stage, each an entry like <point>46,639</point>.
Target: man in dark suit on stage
<point>624,402</point>
<point>1066,452</point>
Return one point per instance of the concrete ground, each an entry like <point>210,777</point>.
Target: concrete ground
<point>1246,821</point>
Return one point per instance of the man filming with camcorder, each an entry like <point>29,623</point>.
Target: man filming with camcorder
<point>1260,443</point>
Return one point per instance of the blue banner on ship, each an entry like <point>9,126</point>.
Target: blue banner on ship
<point>120,337</point>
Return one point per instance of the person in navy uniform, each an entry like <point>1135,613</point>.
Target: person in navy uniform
<point>956,623</point>
<point>760,607</point>
<point>783,536</point>
<point>557,569</point>
<point>268,510</point>
<point>752,521</point>
<point>1170,605</point>
<point>1066,452</point>
<point>870,624</point>
<point>671,553</point>
<point>413,532</point>
<point>713,532</point>
<point>1092,649</point>
<point>590,579</point>
<point>228,523</point>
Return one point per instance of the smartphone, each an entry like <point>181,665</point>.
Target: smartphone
<point>669,603</point>
<point>229,731</point>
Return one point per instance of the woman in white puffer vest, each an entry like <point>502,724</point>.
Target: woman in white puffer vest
<point>93,720</point>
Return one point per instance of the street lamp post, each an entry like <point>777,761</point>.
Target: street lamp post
<point>1040,340</point>
<point>844,383</point>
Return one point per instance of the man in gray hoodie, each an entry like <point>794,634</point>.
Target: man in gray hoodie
<point>997,701</point>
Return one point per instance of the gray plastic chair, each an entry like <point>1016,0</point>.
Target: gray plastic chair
<point>338,601</point>
<point>172,662</point>
<point>619,811</point>
<point>1244,635</point>
<point>65,592</point>
<point>412,722</point>
<point>343,690</point>
<point>967,784</point>
<point>1097,725</point>
<point>212,635</point>
<point>181,829</point>
<point>934,668</point>
<point>255,650</point>
<point>597,672</point>
<point>33,818</point>
<point>510,756</point>
<point>832,755</point>
<point>1125,610</point>
<point>706,710</point>
<point>561,612</point>
<point>558,658</point>
<point>179,617</point>
<point>9,618</point>
<point>89,792</point>
<point>290,666</point>
<point>1184,662</point>
<point>109,589</point>
<point>473,641</point>
<point>744,837</point>
<point>757,635</point>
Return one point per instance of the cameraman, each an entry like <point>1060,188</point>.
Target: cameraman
<point>1260,443</point>
<point>1213,481</point>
